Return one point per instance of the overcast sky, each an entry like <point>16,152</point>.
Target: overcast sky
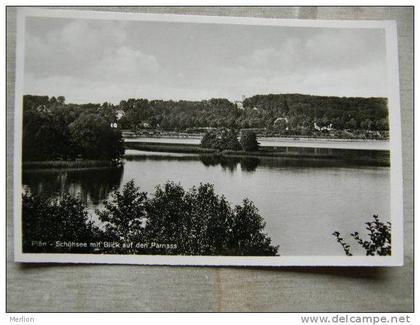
<point>100,60</point>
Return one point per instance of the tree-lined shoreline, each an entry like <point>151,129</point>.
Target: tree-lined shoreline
<point>60,135</point>
<point>55,130</point>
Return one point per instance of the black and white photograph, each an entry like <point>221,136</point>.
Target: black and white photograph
<point>201,140</point>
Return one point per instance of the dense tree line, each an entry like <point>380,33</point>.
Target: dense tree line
<point>222,139</point>
<point>54,130</point>
<point>173,221</point>
<point>178,115</point>
<point>342,112</point>
<point>260,111</point>
<point>274,114</point>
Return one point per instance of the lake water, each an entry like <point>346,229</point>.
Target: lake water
<point>282,142</point>
<point>302,201</point>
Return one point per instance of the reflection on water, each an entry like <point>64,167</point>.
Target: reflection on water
<point>92,185</point>
<point>248,164</point>
<point>302,201</point>
<point>231,163</point>
<point>282,142</point>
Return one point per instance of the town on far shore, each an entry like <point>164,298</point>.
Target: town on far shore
<point>273,115</point>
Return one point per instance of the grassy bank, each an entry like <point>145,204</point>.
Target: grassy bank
<point>367,157</point>
<point>71,164</point>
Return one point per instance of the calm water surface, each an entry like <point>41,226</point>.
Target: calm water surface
<point>282,142</point>
<point>302,202</point>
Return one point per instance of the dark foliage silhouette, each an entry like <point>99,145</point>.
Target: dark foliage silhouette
<point>173,221</point>
<point>379,242</point>
<point>249,141</point>
<point>52,219</point>
<point>223,139</point>
<point>53,130</point>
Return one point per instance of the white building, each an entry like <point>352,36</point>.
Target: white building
<point>240,103</point>
<point>323,128</point>
<point>119,113</point>
<point>281,119</point>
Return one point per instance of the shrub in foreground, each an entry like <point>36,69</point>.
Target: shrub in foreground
<point>123,216</point>
<point>379,242</point>
<point>200,222</point>
<point>53,221</point>
<point>173,221</point>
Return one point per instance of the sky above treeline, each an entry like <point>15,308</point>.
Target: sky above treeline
<point>89,60</point>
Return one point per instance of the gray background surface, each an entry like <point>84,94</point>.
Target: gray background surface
<point>117,288</point>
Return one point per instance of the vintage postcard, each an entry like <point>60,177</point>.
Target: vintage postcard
<point>199,140</point>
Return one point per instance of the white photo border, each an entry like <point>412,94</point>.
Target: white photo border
<point>396,179</point>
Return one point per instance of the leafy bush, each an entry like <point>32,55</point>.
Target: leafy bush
<point>210,140</point>
<point>173,221</point>
<point>223,139</point>
<point>200,222</point>
<point>123,216</point>
<point>249,141</point>
<point>194,222</point>
<point>95,139</point>
<point>379,242</point>
<point>51,219</point>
